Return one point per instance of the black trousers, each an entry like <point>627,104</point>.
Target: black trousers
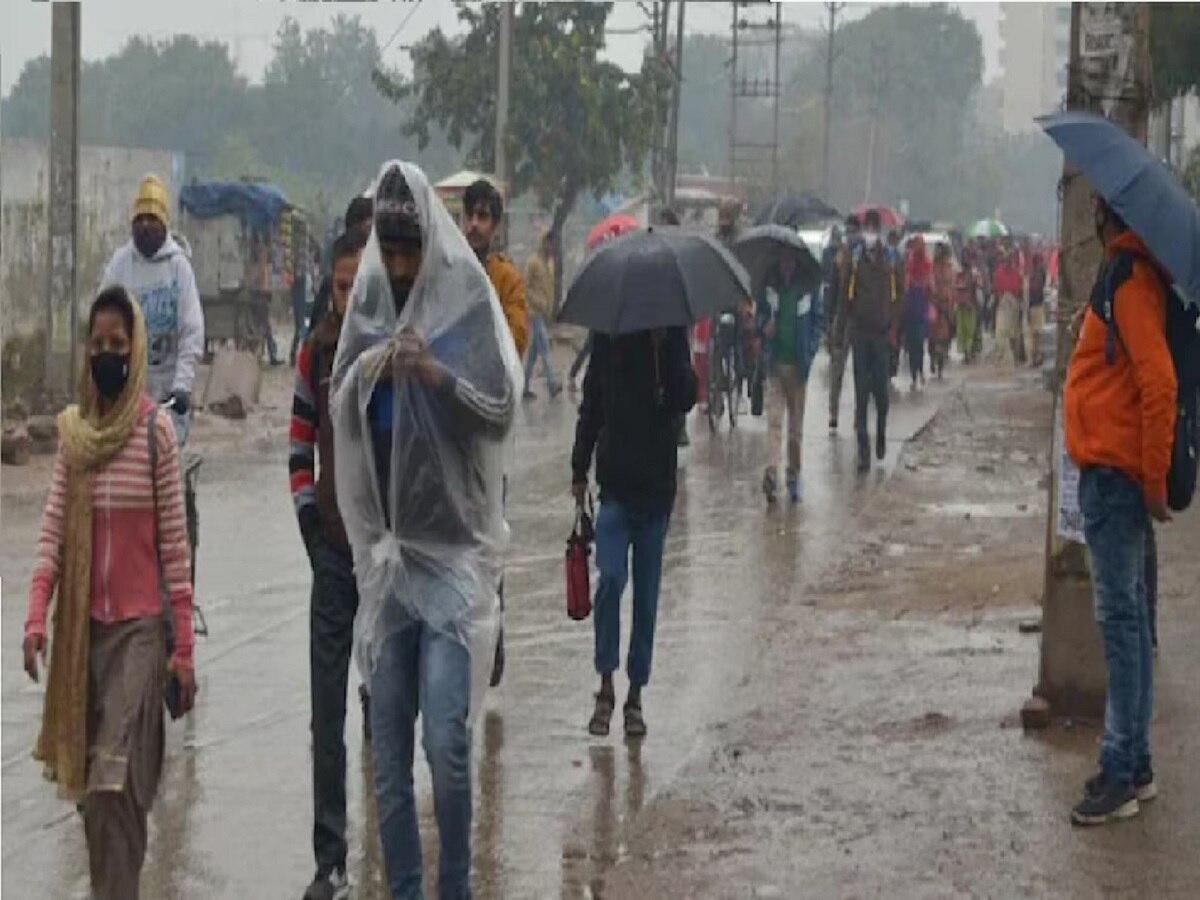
<point>331,640</point>
<point>872,374</point>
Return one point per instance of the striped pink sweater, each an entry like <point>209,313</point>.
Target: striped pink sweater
<point>124,564</point>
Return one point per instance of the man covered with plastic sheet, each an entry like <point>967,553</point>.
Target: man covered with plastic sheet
<point>425,380</point>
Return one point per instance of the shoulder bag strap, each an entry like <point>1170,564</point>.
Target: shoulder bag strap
<point>163,593</point>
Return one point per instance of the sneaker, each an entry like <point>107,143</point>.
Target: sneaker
<point>1109,803</point>
<point>833,424</point>
<point>334,886</point>
<point>793,489</point>
<point>1144,786</point>
<point>770,485</point>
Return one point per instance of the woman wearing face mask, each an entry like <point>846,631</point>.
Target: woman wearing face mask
<point>110,526</point>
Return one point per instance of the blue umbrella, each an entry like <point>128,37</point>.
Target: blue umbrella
<point>1138,187</point>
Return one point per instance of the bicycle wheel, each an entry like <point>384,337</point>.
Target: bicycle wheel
<point>714,388</point>
<point>733,393</point>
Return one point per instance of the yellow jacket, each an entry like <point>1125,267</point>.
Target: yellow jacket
<point>539,285</point>
<point>510,288</point>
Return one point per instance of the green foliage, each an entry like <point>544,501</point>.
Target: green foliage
<point>576,122</point>
<point>1174,43</point>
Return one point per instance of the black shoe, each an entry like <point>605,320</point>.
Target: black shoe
<point>334,886</point>
<point>880,445</point>
<point>864,455</point>
<point>365,699</point>
<point>498,662</point>
<point>528,395</point>
<point>833,423</point>
<point>1109,803</point>
<point>1144,786</point>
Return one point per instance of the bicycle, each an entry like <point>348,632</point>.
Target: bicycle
<point>725,375</point>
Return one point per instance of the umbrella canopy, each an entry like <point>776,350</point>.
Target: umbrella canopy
<point>661,277</point>
<point>988,228</point>
<point>611,226</point>
<point>757,249</point>
<point>888,217</point>
<point>1138,187</point>
<point>795,211</point>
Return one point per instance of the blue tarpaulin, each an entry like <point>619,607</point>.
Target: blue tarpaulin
<point>257,204</point>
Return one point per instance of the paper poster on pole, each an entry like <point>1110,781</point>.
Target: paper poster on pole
<point>1068,517</point>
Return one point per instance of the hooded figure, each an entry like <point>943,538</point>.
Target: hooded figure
<point>154,268</point>
<point>424,386</point>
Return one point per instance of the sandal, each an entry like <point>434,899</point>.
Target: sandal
<point>602,716</point>
<point>635,722</point>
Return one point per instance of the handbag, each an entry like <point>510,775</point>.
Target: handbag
<point>172,694</point>
<point>579,551</point>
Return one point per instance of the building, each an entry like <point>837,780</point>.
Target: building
<point>1035,46</point>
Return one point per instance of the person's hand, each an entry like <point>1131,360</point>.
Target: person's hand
<point>34,647</point>
<point>412,357</point>
<point>1157,508</point>
<point>579,491</point>
<point>180,402</point>
<point>186,676</point>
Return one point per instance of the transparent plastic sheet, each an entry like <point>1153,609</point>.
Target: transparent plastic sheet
<point>432,547</point>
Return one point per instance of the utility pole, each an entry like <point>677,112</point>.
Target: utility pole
<point>877,67</point>
<point>830,58</point>
<point>1109,73</point>
<point>733,95</point>
<point>676,96</point>
<point>503,90</point>
<point>658,140</point>
<point>62,311</point>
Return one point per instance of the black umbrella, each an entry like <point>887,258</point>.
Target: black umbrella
<point>758,249</point>
<point>796,211</point>
<point>661,277</point>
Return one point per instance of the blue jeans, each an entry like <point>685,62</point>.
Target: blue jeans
<point>619,527</point>
<point>1115,526</point>
<point>420,670</point>
<point>539,348</point>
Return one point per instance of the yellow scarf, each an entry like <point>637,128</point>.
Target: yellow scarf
<point>90,440</point>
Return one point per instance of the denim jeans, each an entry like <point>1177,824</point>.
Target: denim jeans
<point>1115,525</point>
<point>423,671</point>
<point>619,527</point>
<point>331,638</point>
<point>539,348</point>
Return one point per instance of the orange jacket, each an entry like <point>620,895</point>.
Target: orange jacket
<point>1123,414</point>
<point>510,288</point>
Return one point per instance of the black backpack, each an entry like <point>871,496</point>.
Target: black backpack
<point>1183,341</point>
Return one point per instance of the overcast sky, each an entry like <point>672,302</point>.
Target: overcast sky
<point>248,26</point>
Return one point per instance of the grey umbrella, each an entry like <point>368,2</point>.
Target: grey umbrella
<point>660,277</point>
<point>758,249</point>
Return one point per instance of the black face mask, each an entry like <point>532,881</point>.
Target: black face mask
<point>148,241</point>
<point>110,371</point>
<point>400,291</point>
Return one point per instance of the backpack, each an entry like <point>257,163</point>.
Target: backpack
<point>1183,342</point>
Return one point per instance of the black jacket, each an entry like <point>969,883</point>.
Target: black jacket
<point>633,396</point>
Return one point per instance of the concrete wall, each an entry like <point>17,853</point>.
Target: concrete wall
<point>108,180</point>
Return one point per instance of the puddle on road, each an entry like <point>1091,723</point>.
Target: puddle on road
<point>983,510</point>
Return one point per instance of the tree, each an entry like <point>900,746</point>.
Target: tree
<point>576,122</point>
<point>1174,37</point>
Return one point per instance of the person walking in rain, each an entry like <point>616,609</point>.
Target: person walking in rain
<point>871,298</point>
<point>483,209</point>
<point>1008,288</point>
<point>539,284</point>
<point>789,321</point>
<point>636,387</point>
<point>835,316</point>
<point>1037,307</point>
<point>1119,416</point>
<point>941,319</point>
<point>153,267</point>
<point>424,382</point>
<point>914,323</point>
<point>113,545</point>
<point>334,599</point>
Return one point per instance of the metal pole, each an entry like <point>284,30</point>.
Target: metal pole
<point>673,137</point>
<point>62,313</point>
<point>778,97</point>
<point>733,81</point>
<point>503,89</point>
<point>834,9</point>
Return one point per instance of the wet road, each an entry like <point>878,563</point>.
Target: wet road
<point>554,807</point>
